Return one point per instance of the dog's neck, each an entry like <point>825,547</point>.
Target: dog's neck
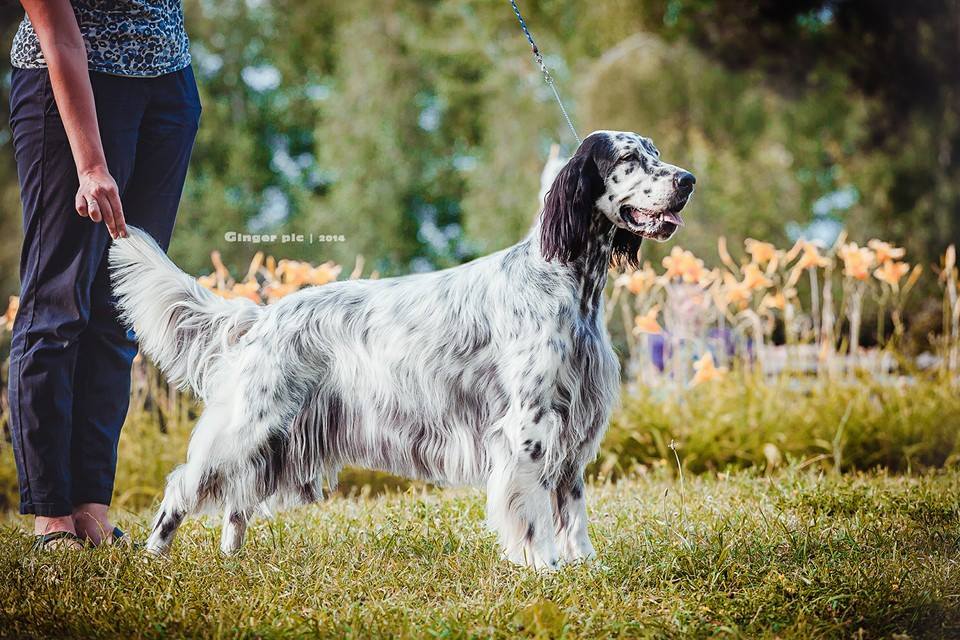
<point>592,266</point>
<point>589,269</point>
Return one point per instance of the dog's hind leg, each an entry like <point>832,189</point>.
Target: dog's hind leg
<point>170,516</point>
<point>191,486</point>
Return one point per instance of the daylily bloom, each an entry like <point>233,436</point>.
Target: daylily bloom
<point>273,291</point>
<point>222,272</point>
<point>885,251</point>
<point>301,274</point>
<point>892,272</point>
<point>706,370</point>
<point>761,252</point>
<point>725,257</point>
<point>683,264</point>
<point>735,292</point>
<point>324,273</point>
<point>293,272</point>
<point>249,289</point>
<point>640,281</point>
<point>774,301</point>
<point>754,278</point>
<point>647,322</point>
<point>255,265</point>
<point>208,282</point>
<point>856,261</point>
<point>810,256</point>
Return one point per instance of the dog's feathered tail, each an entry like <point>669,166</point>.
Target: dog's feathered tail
<point>182,326</point>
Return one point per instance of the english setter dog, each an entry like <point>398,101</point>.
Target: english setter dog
<point>497,373</point>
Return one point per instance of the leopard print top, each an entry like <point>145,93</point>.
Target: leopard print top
<point>140,38</point>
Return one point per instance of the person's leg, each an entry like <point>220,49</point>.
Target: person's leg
<point>59,261</point>
<point>101,398</point>
<point>150,201</point>
<point>53,304</point>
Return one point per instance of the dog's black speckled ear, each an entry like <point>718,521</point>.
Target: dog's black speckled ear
<point>568,208</point>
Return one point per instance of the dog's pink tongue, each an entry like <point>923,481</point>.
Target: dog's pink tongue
<point>675,218</point>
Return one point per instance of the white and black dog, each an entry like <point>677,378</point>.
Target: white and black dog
<point>497,373</point>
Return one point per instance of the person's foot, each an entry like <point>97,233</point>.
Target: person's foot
<point>92,523</point>
<point>55,533</point>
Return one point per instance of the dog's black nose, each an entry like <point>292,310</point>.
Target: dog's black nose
<point>685,181</point>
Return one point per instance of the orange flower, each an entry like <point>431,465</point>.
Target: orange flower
<point>885,251</point>
<point>761,252</point>
<point>647,322</point>
<point>774,301</point>
<point>683,264</point>
<point>255,265</point>
<point>725,257</point>
<point>709,277</point>
<point>208,282</point>
<point>293,272</point>
<point>324,273</point>
<point>222,273</point>
<point>754,279</point>
<point>301,274</point>
<point>249,289</point>
<point>892,272</point>
<point>856,261</point>
<point>735,292</point>
<point>273,291</point>
<point>638,282</point>
<point>11,313</point>
<point>706,370</point>
<point>810,256</point>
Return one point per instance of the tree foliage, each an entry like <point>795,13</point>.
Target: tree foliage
<point>417,128</point>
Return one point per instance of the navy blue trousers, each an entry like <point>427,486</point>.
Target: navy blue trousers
<point>70,357</point>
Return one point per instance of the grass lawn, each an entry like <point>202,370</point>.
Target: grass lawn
<point>797,554</point>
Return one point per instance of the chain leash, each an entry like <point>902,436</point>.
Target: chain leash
<point>543,68</point>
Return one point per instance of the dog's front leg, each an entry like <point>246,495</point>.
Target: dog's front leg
<point>519,509</point>
<point>571,520</point>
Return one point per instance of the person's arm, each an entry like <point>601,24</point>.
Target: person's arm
<point>66,56</point>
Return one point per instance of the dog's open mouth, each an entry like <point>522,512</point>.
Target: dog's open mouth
<point>658,225</point>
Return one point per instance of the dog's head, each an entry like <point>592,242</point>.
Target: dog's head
<point>616,176</point>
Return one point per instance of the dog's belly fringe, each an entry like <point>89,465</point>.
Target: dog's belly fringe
<point>330,433</point>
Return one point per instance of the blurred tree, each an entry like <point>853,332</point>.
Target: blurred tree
<point>418,128</point>
<point>900,57</point>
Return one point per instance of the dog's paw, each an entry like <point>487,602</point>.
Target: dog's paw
<point>579,551</point>
<point>544,561</point>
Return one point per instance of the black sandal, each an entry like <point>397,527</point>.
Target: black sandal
<point>47,541</point>
<point>120,538</point>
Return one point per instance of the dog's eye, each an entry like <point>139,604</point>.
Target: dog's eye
<point>629,157</point>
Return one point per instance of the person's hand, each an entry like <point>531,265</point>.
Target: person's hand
<point>98,198</point>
